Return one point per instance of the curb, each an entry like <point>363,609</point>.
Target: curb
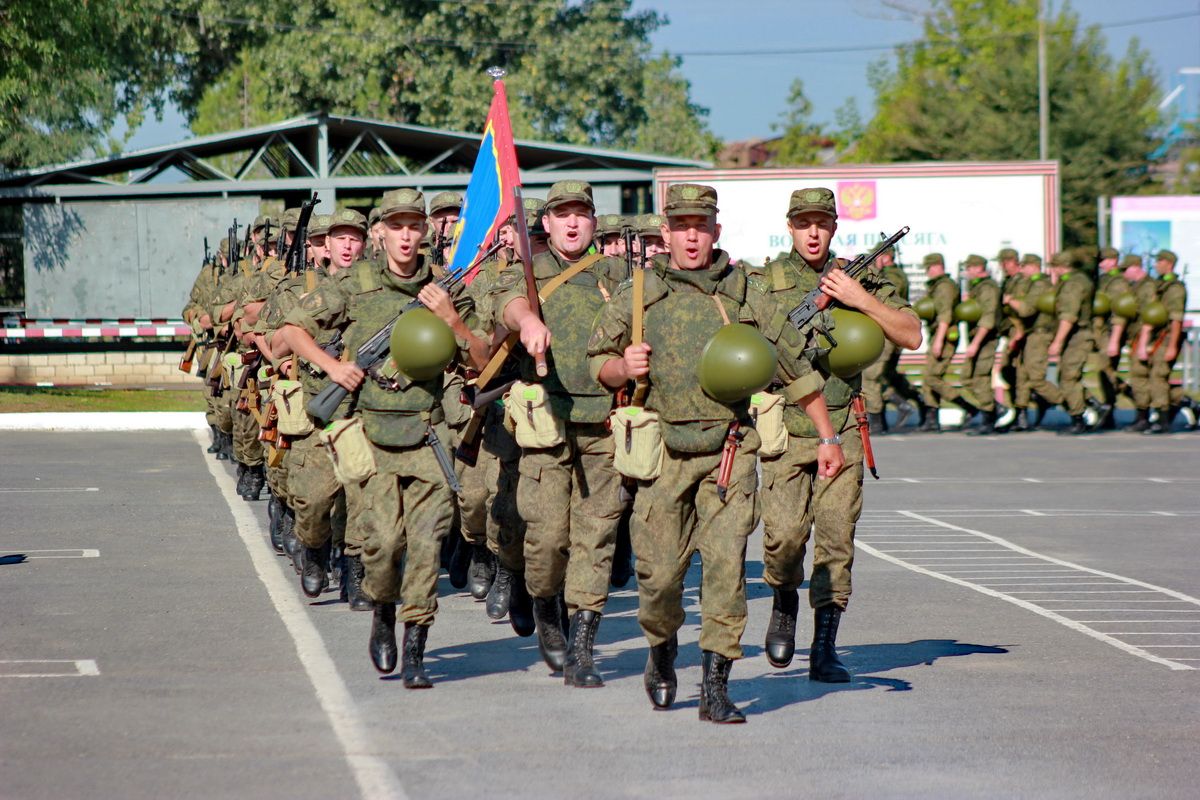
<point>105,421</point>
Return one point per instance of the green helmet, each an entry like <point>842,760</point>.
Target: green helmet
<point>737,362</point>
<point>422,345</point>
<point>1045,301</point>
<point>925,307</point>
<point>1101,304</point>
<point>968,311</point>
<point>859,343</point>
<point>1126,306</point>
<point>1155,314</point>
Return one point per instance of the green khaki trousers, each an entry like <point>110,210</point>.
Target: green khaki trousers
<point>489,499</point>
<point>1162,394</point>
<point>406,511</point>
<point>678,514</point>
<point>317,497</point>
<point>1031,378</point>
<point>977,376</point>
<point>797,505</point>
<point>569,497</point>
<point>934,386</point>
<point>1070,371</point>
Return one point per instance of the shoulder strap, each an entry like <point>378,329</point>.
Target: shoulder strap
<point>568,273</point>
<point>778,279</point>
<point>363,273</point>
<point>720,308</point>
<point>639,304</point>
<point>310,281</point>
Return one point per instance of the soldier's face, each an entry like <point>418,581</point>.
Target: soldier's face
<point>612,245</point>
<point>507,235</point>
<point>402,234</point>
<point>690,239</point>
<point>1031,268</point>
<point>377,234</point>
<point>444,220</point>
<point>1108,263</point>
<point>935,270</point>
<point>885,260</point>
<point>571,227</point>
<point>811,233</point>
<point>345,246</point>
<point>975,271</point>
<point>1011,267</point>
<point>1162,266</point>
<point>653,246</point>
<point>318,249</point>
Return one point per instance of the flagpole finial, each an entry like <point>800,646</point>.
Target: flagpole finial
<point>497,72</point>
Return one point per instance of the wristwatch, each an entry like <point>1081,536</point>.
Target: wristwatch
<point>835,440</point>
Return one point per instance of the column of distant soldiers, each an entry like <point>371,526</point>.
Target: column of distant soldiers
<point>625,315</point>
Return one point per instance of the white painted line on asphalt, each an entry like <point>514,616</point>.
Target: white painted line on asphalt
<point>1032,513</point>
<point>1032,480</point>
<point>15,490</point>
<point>84,668</point>
<point>1164,513</point>
<point>74,553</point>
<point>105,421</point>
<point>371,772</point>
<point>1157,480</point>
<point>1031,599</point>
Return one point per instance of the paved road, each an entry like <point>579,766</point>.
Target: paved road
<point>1025,624</point>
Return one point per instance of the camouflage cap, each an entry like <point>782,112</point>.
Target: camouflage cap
<point>570,192</point>
<point>290,219</point>
<point>817,199</point>
<point>534,209</point>
<point>1131,260</point>
<point>1109,252</point>
<point>649,224</point>
<point>933,258</point>
<point>1060,259</point>
<point>373,217</point>
<point>402,201</point>
<point>318,225</point>
<point>348,218</point>
<point>1166,255</point>
<point>444,201</point>
<point>1007,254</point>
<point>1031,258</point>
<point>261,221</point>
<point>685,199</point>
<point>608,224</point>
<point>975,260</point>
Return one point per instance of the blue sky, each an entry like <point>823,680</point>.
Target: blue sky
<point>746,93</point>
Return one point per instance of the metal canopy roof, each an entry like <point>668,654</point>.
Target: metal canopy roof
<point>318,150</point>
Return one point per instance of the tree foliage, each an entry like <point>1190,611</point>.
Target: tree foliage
<point>969,91</point>
<point>68,70</point>
<point>799,144</point>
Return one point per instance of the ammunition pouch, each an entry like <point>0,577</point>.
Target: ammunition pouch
<point>637,443</point>
<point>528,417</point>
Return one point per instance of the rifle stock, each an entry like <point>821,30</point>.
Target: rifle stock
<point>531,288</point>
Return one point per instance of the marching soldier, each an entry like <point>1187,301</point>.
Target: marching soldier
<point>1159,343</point>
<point>1072,341</point>
<point>981,349</point>
<point>568,493</point>
<point>943,340</point>
<point>883,382</point>
<point>1126,332</point>
<point>1110,274</point>
<point>798,499</point>
<point>1009,326</point>
<point>694,503</point>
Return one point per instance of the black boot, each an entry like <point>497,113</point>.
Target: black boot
<point>876,424</point>
<point>931,423</point>
<point>460,563</point>
<point>904,411</point>
<point>383,638</point>
<point>1043,407</point>
<point>354,591</point>
<point>275,512</point>
<point>715,705</point>
<point>224,446</point>
<point>987,424</point>
<point>242,472</point>
<point>823,662</point>
<point>659,677</point>
<point>552,639</point>
<point>622,561</point>
<point>1078,425</point>
<point>499,596</point>
<point>412,670</point>
<point>580,668</point>
<point>314,577</point>
<point>287,534</point>
<point>1162,424</point>
<point>1140,422</point>
<point>482,571</point>
<point>781,632</point>
<point>256,478</point>
<point>520,607</point>
<point>215,445</point>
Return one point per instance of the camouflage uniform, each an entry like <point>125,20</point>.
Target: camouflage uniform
<point>977,371</point>
<point>935,389</point>
<point>1108,283</point>
<point>1172,293</point>
<point>1012,327</point>
<point>1073,303</point>
<point>885,373</point>
<point>1146,292</point>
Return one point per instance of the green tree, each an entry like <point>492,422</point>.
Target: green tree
<point>800,143</point>
<point>68,70</point>
<point>968,91</point>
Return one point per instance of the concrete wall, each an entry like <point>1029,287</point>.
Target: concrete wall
<point>106,368</point>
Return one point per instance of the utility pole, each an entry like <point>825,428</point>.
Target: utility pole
<point>1043,87</point>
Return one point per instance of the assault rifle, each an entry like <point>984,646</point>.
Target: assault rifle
<point>294,261</point>
<point>234,254</point>
<point>375,350</point>
<point>817,301</point>
<point>627,235</point>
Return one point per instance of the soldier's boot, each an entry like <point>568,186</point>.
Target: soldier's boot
<point>552,640</point>
<point>215,445</point>
<point>225,446</point>
<point>580,667</point>
<point>781,631</point>
<point>715,705</point>
<point>499,595</point>
<point>987,424</point>
<point>520,607</point>
<point>823,662</point>
<point>1140,422</point>
<point>460,563</point>
<point>1024,421</point>
<point>275,512</point>
<point>314,577</point>
<point>337,568</point>
<point>354,577</point>
<point>412,668</point>
<point>482,571</point>
<point>1078,425</point>
<point>242,472</point>
<point>904,411</point>
<point>622,561</point>
<point>1105,418</point>
<point>256,479</point>
<point>1043,407</point>
<point>876,424</point>
<point>659,678</point>
<point>931,424</point>
<point>922,413</point>
<point>1190,413</point>
<point>382,645</point>
<point>287,533</point>
<point>1162,424</point>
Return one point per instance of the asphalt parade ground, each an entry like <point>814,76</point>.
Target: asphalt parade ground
<point>1025,623</point>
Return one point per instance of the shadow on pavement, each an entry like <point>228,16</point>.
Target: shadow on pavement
<point>13,558</point>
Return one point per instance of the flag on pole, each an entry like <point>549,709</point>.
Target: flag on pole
<point>489,198</point>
